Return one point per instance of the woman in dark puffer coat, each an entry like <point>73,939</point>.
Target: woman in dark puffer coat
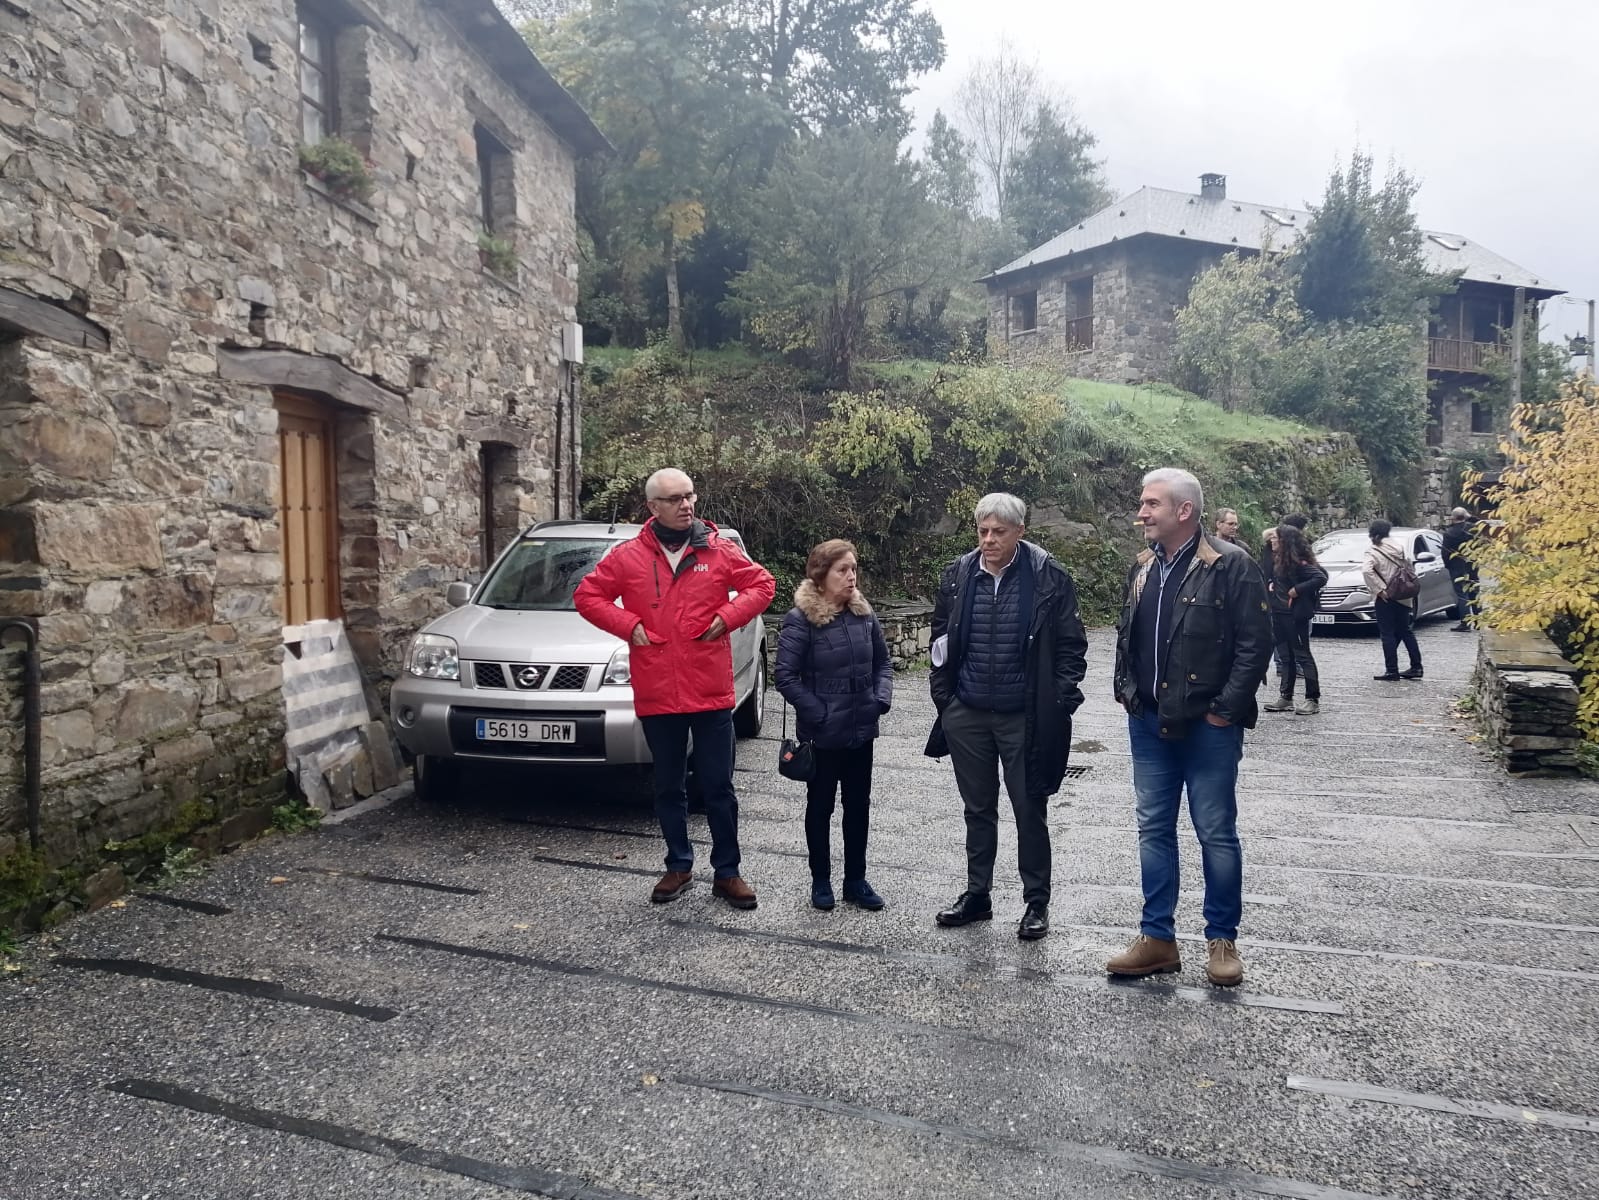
<point>833,667</point>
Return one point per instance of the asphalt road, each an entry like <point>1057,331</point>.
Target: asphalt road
<point>479,1001</point>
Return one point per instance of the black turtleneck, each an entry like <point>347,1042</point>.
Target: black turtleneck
<point>672,538</point>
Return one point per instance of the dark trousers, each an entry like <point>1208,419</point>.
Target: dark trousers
<point>1292,635</point>
<point>981,744</point>
<point>667,735</point>
<point>849,772</point>
<point>1394,622</point>
<point>1466,605</point>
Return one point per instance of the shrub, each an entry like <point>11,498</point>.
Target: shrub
<point>1541,560</point>
<point>340,166</point>
<point>498,255</point>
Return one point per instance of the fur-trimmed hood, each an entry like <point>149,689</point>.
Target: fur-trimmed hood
<point>808,599</point>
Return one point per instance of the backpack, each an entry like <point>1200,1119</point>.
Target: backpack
<point>1402,584</point>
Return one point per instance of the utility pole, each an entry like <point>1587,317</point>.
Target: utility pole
<point>1518,332</point>
<point>1590,340</point>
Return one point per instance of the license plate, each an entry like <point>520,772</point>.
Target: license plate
<point>491,729</point>
<point>1323,619</point>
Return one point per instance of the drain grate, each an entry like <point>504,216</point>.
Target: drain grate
<point>1075,772</point>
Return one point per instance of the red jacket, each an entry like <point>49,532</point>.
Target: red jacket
<point>676,672</point>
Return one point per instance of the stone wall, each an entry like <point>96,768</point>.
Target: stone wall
<point>1527,698</point>
<point>150,191</point>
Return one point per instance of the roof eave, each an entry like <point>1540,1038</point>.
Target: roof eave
<point>505,50</point>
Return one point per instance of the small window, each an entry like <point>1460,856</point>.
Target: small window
<point>319,82</point>
<point>1024,312</point>
<point>1080,314</point>
<point>496,184</point>
<point>1482,417</point>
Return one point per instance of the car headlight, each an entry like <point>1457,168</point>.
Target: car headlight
<point>433,656</point>
<point>619,671</point>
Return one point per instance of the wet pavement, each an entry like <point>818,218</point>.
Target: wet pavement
<point>478,1000</point>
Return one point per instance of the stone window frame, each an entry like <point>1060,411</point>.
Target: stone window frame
<point>496,168</point>
<point>1018,303</point>
<point>1482,418</point>
<point>1080,324</point>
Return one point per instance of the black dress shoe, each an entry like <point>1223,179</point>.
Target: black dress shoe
<point>1413,673</point>
<point>1035,922</point>
<point>970,907</point>
<point>1389,677</point>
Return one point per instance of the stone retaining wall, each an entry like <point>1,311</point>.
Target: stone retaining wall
<point>1527,700</point>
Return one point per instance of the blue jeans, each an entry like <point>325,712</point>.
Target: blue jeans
<point>667,735</point>
<point>1206,763</point>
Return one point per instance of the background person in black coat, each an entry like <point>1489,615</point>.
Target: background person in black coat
<point>833,667</point>
<point>1294,580</point>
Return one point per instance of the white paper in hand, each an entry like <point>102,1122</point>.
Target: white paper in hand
<point>940,650</point>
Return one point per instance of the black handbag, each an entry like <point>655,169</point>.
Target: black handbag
<point>795,760</point>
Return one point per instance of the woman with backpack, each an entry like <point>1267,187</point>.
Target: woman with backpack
<point>1294,580</point>
<point>833,667</point>
<point>1391,580</point>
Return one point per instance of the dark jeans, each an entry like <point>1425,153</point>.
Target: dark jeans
<point>1292,635</point>
<point>849,771</point>
<point>1466,604</point>
<point>1394,622</point>
<point>668,735</point>
<point>982,743</point>
<point>1205,762</point>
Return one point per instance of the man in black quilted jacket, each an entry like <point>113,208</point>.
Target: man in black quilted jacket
<point>1009,655</point>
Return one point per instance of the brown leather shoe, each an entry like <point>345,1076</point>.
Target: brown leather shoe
<point>1224,968</point>
<point>735,891</point>
<point>672,885</point>
<point>1146,956</point>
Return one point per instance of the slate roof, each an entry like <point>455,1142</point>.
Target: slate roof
<point>1236,223</point>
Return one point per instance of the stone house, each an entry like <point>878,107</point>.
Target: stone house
<point>1101,298</point>
<point>248,413</point>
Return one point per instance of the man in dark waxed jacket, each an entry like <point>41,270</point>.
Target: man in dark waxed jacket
<point>1009,655</point>
<point>1192,646</point>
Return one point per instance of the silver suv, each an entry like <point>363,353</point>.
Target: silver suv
<point>514,675</point>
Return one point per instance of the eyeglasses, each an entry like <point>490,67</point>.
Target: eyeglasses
<point>674,501</point>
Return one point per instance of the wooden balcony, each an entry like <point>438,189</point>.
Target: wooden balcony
<point>1453,354</point>
<point>1080,333</point>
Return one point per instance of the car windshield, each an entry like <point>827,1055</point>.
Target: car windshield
<point>1346,546</point>
<point>540,574</point>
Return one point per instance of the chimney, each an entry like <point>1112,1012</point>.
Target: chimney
<point>1213,186</point>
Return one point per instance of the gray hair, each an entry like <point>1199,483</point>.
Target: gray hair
<point>652,485</point>
<point>1003,506</point>
<point>1183,486</point>
<point>1221,513</point>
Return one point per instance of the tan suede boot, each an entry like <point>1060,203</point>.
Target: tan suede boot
<point>1146,956</point>
<point>1224,968</point>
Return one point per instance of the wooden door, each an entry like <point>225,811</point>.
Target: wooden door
<point>307,510</point>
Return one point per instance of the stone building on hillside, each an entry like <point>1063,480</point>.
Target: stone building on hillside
<point>250,413</point>
<point>1102,298</point>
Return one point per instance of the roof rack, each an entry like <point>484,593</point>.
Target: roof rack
<point>538,525</point>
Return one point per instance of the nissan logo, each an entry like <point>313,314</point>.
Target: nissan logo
<point>528,677</point>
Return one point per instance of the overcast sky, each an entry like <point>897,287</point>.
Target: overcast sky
<point>1494,107</point>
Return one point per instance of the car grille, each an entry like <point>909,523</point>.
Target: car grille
<point>570,679</point>
<point>532,677</point>
<point>1332,597</point>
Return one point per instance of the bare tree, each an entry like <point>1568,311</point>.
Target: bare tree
<point>993,106</point>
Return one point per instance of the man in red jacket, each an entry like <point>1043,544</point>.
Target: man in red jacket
<point>673,582</point>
